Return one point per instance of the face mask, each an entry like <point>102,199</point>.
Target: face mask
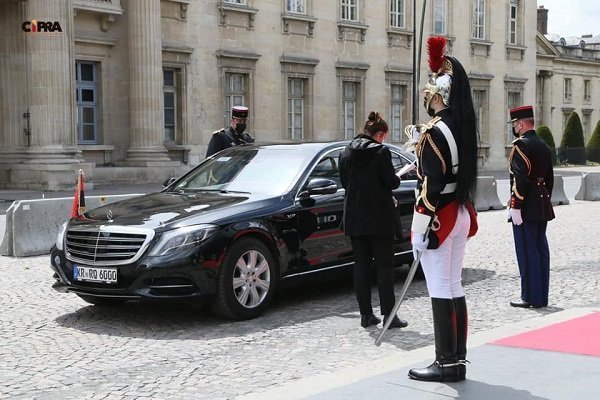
<point>426,104</point>
<point>240,127</point>
<point>515,134</point>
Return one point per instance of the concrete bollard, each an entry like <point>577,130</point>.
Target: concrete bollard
<point>590,187</point>
<point>558,192</point>
<point>32,225</point>
<point>486,197</point>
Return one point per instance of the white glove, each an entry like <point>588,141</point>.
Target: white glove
<point>419,243</point>
<point>515,216</point>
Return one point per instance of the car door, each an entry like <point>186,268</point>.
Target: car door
<point>322,240</point>
<point>405,197</point>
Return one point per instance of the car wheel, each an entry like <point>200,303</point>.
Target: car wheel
<point>100,301</point>
<point>247,280</point>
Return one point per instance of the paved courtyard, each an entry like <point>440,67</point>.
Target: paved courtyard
<point>55,346</point>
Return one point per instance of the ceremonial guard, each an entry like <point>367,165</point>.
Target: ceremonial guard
<point>444,216</point>
<point>232,135</point>
<point>530,208</point>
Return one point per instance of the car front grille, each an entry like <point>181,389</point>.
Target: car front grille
<point>107,245</point>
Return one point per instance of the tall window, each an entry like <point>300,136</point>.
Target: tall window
<point>440,17</point>
<point>397,13</point>
<point>170,95</point>
<point>349,101</point>
<point>398,104</point>
<point>479,104</point>
<point>587,90</point>
<point>235,93</point>
<point>295,6</point>
<point>479,19</point>
<point>296,102</point>
<point>514,100</point>
<point>513,21</point>
<point>87,102</point>
<point>568,90</point>
<point>350,10</point>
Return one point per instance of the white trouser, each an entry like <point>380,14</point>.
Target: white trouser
<point>443,266</point>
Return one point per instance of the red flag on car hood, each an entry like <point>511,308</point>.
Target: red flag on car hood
<point>78,207</point>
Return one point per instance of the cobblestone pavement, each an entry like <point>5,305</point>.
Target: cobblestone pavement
<point>54,346</point>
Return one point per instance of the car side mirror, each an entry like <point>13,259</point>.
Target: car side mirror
<point>321,186</point>
<point>168,181</point>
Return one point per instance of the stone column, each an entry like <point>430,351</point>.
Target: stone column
<point>546,98</point>
<point>13,80</point>
<point>41,76</point>
<point>145,85</point>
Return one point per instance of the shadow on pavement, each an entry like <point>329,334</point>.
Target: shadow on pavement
<point>295,302</point>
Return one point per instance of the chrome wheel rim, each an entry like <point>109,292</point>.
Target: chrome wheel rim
<point>251,279</point>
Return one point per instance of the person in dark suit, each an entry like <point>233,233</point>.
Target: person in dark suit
<point>530,207</point>
<point>367,174</point>
<point>232,135</point>
<point>444,217</point>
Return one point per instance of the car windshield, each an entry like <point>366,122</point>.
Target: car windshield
<point>265,170</point>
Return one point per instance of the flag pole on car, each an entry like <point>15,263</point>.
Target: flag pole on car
<point>78,207</point>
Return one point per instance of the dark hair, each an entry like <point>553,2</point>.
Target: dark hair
<point>375,124</point>
<point>465,125</point>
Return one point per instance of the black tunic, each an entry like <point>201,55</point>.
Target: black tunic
<point>531,177</point>
<point>225,138</point>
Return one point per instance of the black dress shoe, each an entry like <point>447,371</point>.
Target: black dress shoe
<point>396,322</point>
<point>436,372</point>
<point>368,320</point>
<point>520,303</point>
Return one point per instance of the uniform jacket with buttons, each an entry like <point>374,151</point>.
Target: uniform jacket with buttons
<point>225,138</point>
<point>531,177</point>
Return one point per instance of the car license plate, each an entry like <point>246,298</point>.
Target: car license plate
<point>85,273</point>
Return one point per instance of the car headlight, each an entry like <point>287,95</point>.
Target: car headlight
<point>60,238</point>
<point>181,239</point>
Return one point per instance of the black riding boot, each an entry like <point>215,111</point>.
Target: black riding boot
<point>460,304</point>
<point>445,366</point>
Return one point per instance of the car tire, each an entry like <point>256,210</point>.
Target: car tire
<point>100,301</point>
<point>247,280</point>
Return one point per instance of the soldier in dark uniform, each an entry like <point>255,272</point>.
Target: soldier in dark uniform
<point>530,208</point>
<point>444,216</point>
<point>233,135</point>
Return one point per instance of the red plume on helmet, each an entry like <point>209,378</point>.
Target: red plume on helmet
<point>436,48</point>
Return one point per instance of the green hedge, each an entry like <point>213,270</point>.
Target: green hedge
<point>572,145</point>
<point>546,135</point>
<point>592,149</point>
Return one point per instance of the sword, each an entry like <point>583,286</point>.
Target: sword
<point>400,299</point>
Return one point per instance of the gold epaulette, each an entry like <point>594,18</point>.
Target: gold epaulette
<point>219,131</point>
<point>516,140</point>
<point>427,126</point>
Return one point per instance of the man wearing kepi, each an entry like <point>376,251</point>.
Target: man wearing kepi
<point>232,135</point>
<point>530,208</point>
<point>444,216</point>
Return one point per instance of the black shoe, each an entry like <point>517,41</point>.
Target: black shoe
<point>436,372</point>
<point>396,322</point>
<point>520,303</point>
<point>368,320</point>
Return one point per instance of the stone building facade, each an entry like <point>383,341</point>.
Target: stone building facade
<point>568,79</point>
<point>130,91</point>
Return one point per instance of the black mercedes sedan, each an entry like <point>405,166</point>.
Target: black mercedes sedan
<point>229,231</point>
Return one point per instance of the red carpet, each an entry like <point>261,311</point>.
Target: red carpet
<point>577,336</point>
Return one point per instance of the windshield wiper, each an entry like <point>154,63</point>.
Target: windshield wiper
<point>233,191</point>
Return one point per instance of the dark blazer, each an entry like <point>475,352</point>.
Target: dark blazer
<point>531,177</point>
<point>368,175</point>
